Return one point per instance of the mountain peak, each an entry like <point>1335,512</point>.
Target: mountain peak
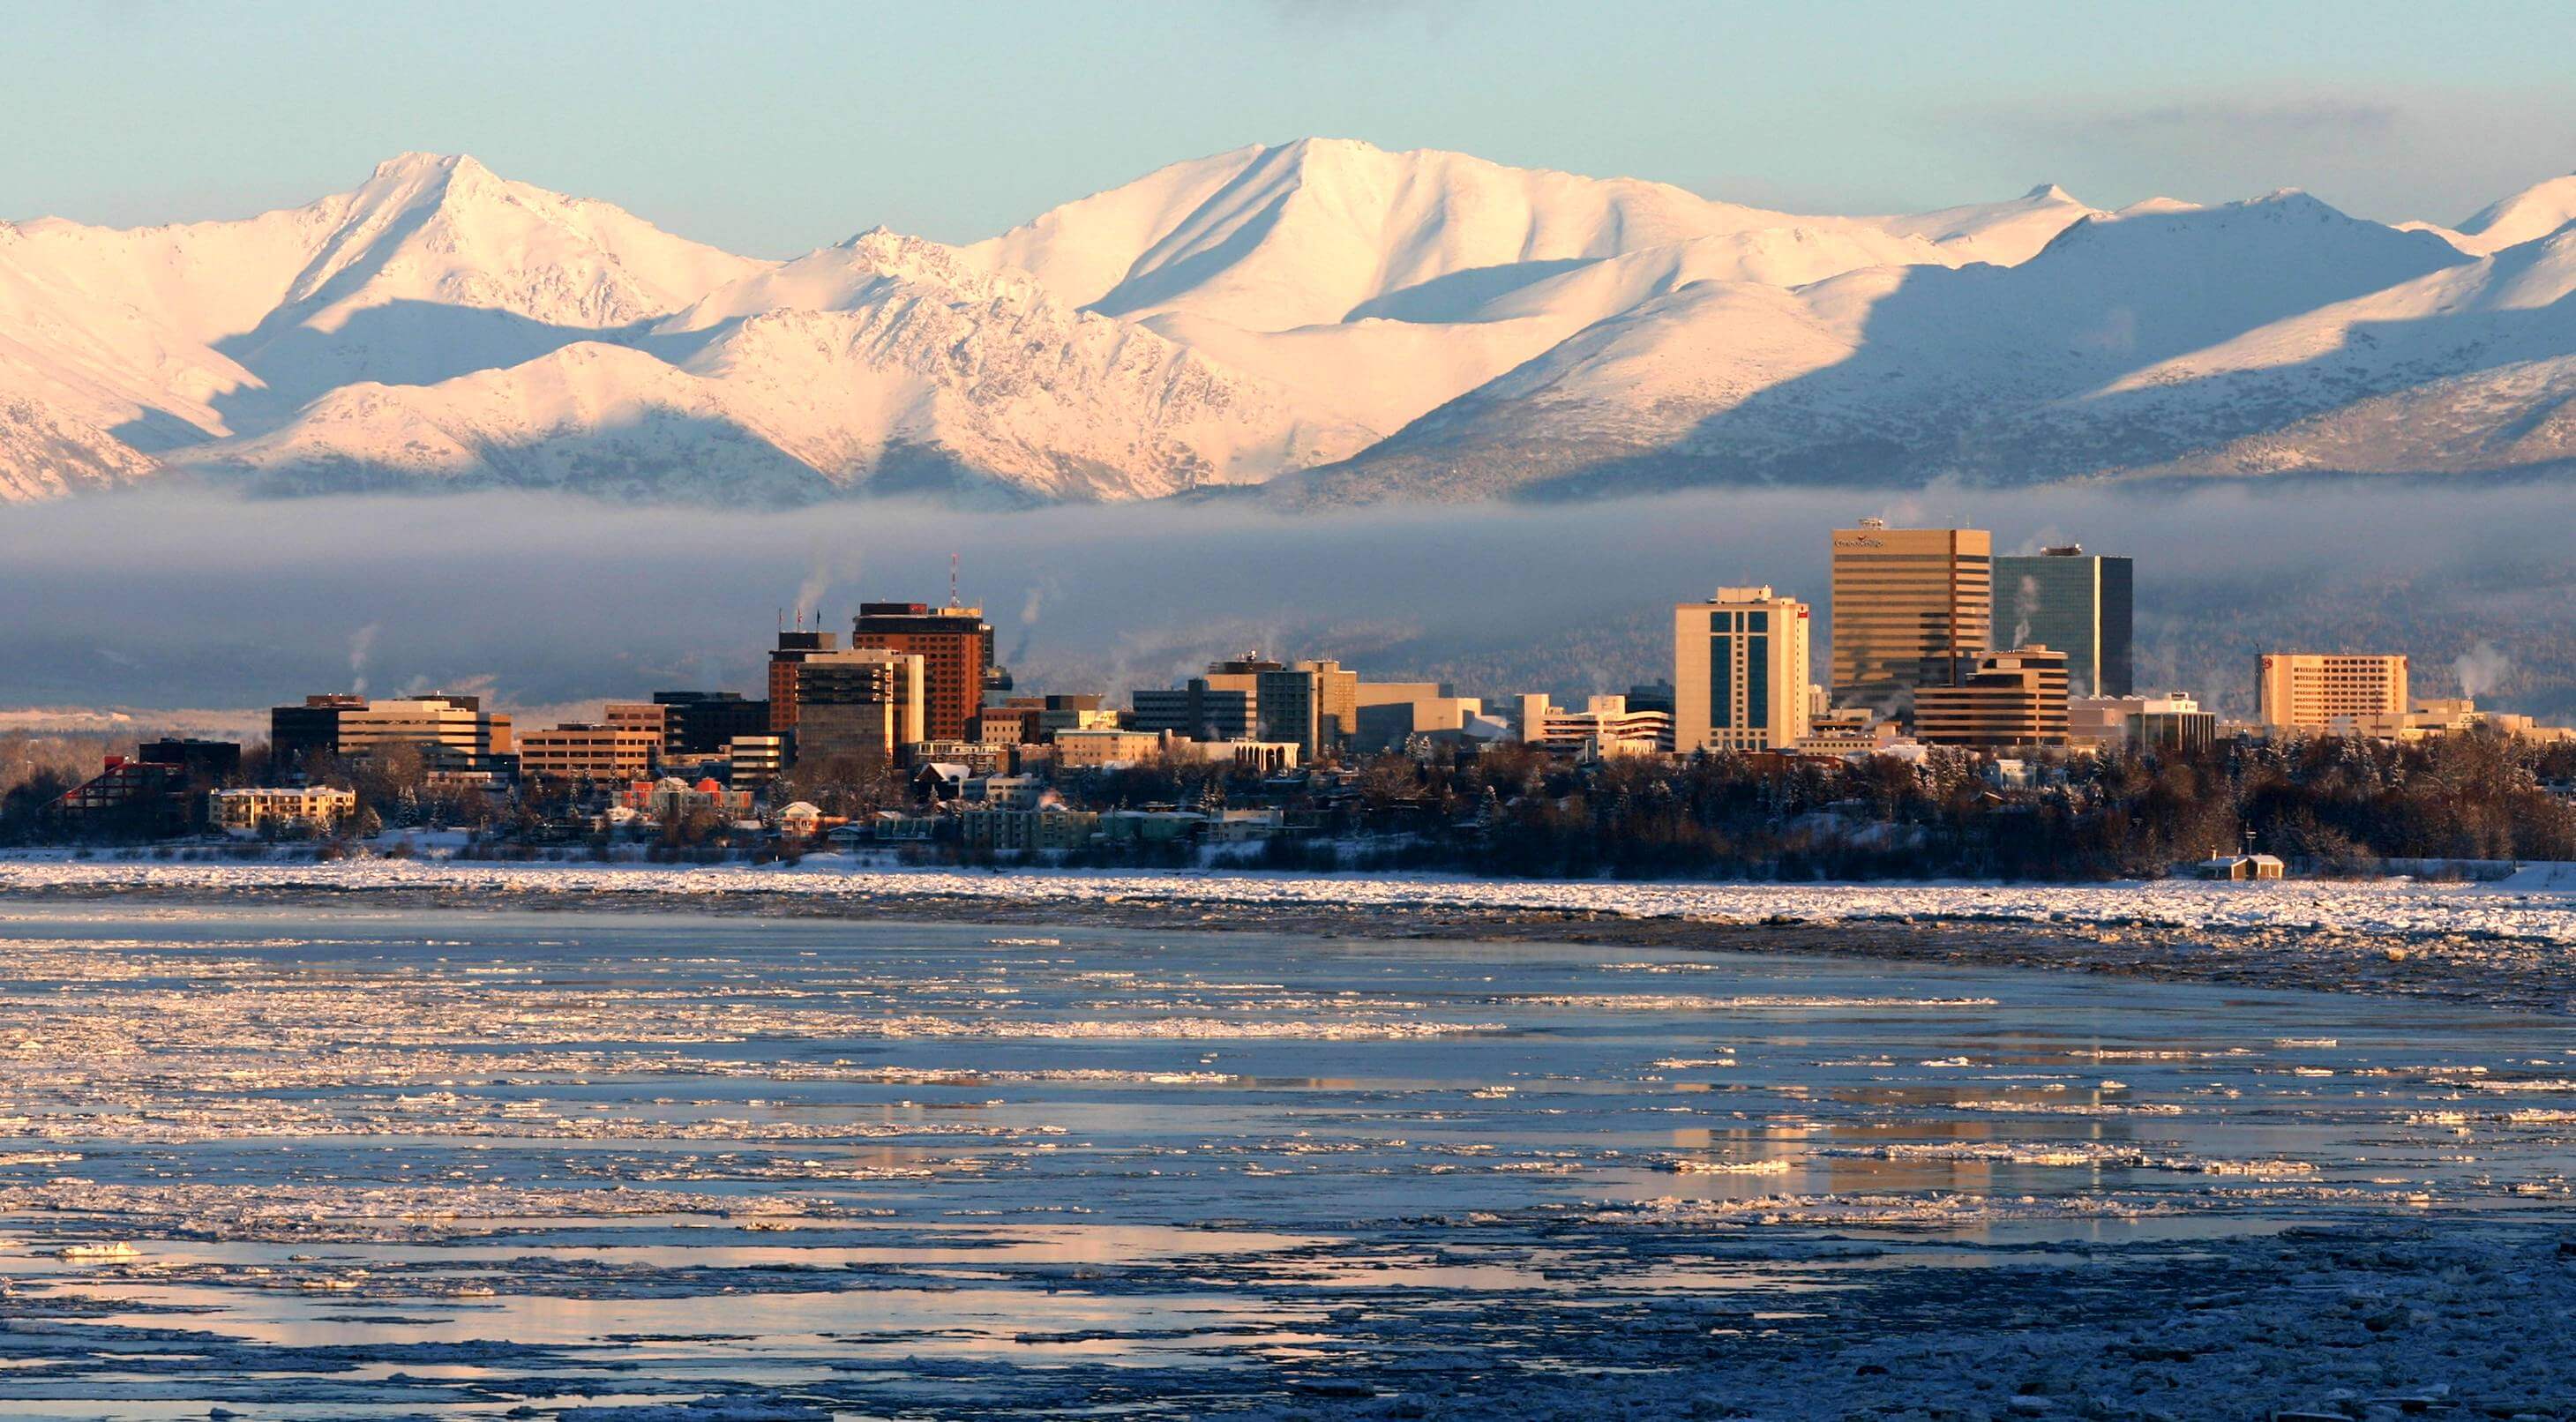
<point>2048,192</point>
<point>422,164</point>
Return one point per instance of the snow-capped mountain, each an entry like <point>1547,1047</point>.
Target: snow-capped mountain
<point>1336,320</point>
<point>1889,374</point>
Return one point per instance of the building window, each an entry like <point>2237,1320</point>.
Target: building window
<point>1721,682</point>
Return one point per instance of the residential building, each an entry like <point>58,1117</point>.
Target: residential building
<point>790,653</point>
<point>579,751</point>
<point>755,762</point>
<point>1912,608</point>
<point>672,799</point>
<point>1604,727</point>
<point>955,645</point>
<point>697,724</point>
<point>868,702</point>
<point>979,757</point>
<point>129,796</point>
<point>1005,829</point>
<point>2308,690</point>
<point>1010,792</point>
<point>2082,604</point>
<point>2012,698</point>
<point>1740,672</point>
<point>300,809</point>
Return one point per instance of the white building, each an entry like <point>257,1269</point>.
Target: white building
<point>1605,727</point>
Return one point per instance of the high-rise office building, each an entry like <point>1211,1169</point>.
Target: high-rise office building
<point>2313,690</point>
<point>1740,672</point>
<point>955,645</point>
<point>2079,603</point>
<point>1312,704</point>
<point>868,702</point>
<point>792,650</point>
<point>1912,607</point>
<point>2012,698</point>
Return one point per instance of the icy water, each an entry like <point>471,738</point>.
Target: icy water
<point>374,1163</point>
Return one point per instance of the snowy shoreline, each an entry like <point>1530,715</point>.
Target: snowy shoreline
<point>2506,944</point>
<point>2536,905</point>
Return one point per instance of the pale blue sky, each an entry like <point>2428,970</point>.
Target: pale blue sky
<point>772,128</point>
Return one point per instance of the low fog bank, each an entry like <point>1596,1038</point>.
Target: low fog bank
<point>156,601</point>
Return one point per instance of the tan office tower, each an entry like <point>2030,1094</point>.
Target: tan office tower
<point>1912,607</point>
<point>1739,672</point>
<point>2310,689</point>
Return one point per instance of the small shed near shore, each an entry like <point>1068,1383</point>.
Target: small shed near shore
<point>2241,867</point>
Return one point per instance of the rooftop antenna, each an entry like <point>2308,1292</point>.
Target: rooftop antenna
<point>953,603</point>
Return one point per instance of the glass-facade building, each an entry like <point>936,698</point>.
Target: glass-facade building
<point>2074,602</point>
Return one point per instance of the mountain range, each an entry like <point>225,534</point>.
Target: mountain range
<point>1325,320</point>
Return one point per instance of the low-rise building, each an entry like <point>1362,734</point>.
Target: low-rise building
<point>1847,731</point>
<point>1387,714</point>
<point>1007,830</point>
<point>1605,727</point>
<point>582,751</point>
<point>294,809</point>
<point>1259,757</point>
<point>754,762</point>
<point>1093,749</point>
<point>2172,722</point>
<point>671,799</point>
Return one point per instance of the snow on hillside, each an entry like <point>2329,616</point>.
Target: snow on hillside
<point>2466,369</point>
<point>884,361</point>
<point>1886,374</point>
<point>2004,233</point>
<point>1373,323</point>
<point>1323,230</point>
<point>2533,213</point>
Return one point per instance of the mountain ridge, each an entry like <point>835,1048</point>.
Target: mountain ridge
<point>1333,320</point>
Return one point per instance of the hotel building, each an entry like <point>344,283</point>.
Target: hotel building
<point>1740,672</point>
<point>2312,690</point>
